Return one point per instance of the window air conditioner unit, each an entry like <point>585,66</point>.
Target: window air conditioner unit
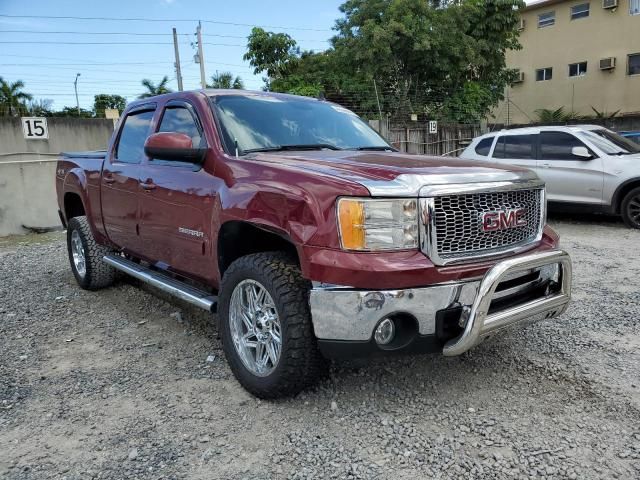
<point>609,3</point>
<point>519,77</point>
<point>521,24</point>
<point>608,63</point>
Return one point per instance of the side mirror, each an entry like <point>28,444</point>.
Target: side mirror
<point>581,152</point>
<point>173,146</point>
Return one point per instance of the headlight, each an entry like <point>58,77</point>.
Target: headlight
<point>372,224</point>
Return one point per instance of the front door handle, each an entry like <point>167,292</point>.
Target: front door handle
<point>108,179</point>
<point>148,185</point>
<point>546,165</point>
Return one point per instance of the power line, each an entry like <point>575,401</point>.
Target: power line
<point>119,19</point>
<point>243,37</point>
<point>48,42</point>
<point>81,64</point>
<point>121,63</point>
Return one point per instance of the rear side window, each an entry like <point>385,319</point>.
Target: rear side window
<point>180,119</point>
<point>517,147</point>
<point>558,145</point>
<point>484,146</point>
<point>135,131</point>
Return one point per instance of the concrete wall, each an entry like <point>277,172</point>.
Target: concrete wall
<point>603,34</point>
<point>27,168</point>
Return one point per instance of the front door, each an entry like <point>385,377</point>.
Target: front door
<point>177,202</point>
<point>569,178</point>
<point>120,181</point>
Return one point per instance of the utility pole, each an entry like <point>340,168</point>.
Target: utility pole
<point>203,82</point>
<point>175,48</point>
<point>75,86</point>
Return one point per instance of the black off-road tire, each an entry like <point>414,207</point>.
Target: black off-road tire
<point>300,364</point>
<point>98,274</point>
<point>630,208</point>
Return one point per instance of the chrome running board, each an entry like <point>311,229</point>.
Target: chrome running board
<point>181,290</point>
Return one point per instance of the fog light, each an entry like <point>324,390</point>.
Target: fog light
<point>385,332</point>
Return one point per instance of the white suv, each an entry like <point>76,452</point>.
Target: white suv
<point>585,167</point>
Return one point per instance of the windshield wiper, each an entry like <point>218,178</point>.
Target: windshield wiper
<point>302,146</point>
<point>379,148</point>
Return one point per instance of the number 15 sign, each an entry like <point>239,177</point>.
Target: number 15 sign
<point>35,128</point>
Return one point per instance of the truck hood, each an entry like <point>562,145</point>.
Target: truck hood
<point>395,173</point>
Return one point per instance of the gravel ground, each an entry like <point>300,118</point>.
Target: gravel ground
<point>123,384</point>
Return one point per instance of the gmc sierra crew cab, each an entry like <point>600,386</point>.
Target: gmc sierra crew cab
<point>307,233</point>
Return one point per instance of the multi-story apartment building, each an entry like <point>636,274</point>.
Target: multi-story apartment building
<point>576,54</point>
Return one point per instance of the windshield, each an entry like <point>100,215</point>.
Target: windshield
<point>610,142</point>
<point>261,122</point>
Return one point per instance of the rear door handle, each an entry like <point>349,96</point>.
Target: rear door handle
<point>148,185</point>
<point>108,179</point>
<point>546,165</point>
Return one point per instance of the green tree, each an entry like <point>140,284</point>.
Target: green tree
<point>12,97</point>
<point>272,53</point>
<point>73,112</point>
<point>40,107</point>
<point>226,80</point>
<point>431,57</point>
<point>103,101</point>
<point>153,90</point>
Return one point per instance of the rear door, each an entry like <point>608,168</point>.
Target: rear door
<point>177,201</point>
<point>120,179</point>
<point>516,150</point>
<point>569,178</point>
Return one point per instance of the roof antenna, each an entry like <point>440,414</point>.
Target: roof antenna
<point>235,141</point>
<point>321,95</point>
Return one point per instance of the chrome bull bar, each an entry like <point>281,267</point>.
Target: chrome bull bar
<point>477,321</point>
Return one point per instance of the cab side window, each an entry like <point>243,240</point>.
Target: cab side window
<point>484,146</point>
<point>558,145</point>
<point>134,133</point>
<point>180,119</point>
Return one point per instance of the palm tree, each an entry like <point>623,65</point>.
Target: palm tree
<point>226,80</point>
<point>153,90</point>
<point>559,115</point>
<point>12,98</point>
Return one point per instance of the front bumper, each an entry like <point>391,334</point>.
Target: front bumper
<point>450,317</point>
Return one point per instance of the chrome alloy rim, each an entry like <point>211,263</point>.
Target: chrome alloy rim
<point>77,252</point>
<point>633,209</point>
<point>255,327</point>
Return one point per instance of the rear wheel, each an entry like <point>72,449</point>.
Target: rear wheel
<point>85,256</point>
<point>631,208</point>
<point>265,324</point>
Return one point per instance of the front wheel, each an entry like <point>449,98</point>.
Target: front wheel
<point>631,208</point>
<point>266,328</point>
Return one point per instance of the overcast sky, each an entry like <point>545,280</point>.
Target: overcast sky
<point>48,62</point>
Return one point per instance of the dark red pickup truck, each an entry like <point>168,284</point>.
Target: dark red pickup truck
<point>309,235</point>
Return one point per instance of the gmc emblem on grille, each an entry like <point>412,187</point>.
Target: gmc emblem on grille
<point>504,220</point>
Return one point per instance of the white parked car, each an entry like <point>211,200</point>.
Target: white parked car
<point>585,167</point>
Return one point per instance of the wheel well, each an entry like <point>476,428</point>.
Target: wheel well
<point>237,239</point>
<point>73,206</point>
<point>622,192</point>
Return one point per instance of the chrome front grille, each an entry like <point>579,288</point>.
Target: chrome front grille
<point>455,230</point>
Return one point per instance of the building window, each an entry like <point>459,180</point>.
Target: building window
<point>543,74</point>
<point>634,7</point>
<point>577,69</point>
<point>580,11</point>
<point>546,19</point>
<point>634,64</point>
